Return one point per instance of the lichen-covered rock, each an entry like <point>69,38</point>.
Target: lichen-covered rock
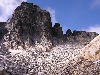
<point>92,50</point>
<point>29,25</point>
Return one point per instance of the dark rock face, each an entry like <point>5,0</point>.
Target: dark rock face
<point>69,33</point>
<point>57,31</point>
<point>75,37</point>
<point>3,30</point>
<point>29,24</point>
<point>57,34</point>
<point>81,37</point>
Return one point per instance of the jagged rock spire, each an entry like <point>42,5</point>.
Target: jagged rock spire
<point>29,25</point>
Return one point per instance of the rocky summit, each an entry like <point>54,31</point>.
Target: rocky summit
<point>31,45</point>
<point>29,25</point>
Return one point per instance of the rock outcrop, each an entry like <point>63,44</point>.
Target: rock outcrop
<point>75,37</point>
<point>57,34</point>
<point>29,31</point>
<point>92,50</point>
<point>79,37</point>
<point>28,26</point>
<point>31,26</point>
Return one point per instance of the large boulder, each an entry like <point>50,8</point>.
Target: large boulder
<point>29,25</point>
<point>92,50</point>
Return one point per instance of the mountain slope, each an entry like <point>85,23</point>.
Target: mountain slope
<point>31,46</point>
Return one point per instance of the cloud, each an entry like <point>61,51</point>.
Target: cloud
<point>53,15</point>
<point>7,8</point>
<point>95,28</point>
<point>95,3</point>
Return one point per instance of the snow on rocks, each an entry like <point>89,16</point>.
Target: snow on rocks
<point>97,61</point>
<point>37,62</point>
<point>13,52</point>
<point>60,60</point>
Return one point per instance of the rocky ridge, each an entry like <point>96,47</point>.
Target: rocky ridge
<point>33,47</point>
<point>31,26</point>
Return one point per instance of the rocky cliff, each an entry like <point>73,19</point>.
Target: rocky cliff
<point>80,37</point>
<point>28,26</point>
<point>29,31</point>
<point>57,35</point>
<point>31,26</point>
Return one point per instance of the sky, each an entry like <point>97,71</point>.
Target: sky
<point>71,14</point>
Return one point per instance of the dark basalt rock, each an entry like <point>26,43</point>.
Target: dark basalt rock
<point>75,37</point>
<point>81,37</point>
<point>57,34</point>
<point>69,32</point>
<point>29,24</point>
<point>57,31</point>
<point>3,30</point>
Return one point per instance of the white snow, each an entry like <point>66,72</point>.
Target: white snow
<point>13,52</point>
<point>97,61</point>
<point>50,62</point>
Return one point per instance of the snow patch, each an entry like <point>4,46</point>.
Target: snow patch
<point>13,52</point>
<point>97,61</point>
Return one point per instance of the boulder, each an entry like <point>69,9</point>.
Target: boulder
<point>92,50</point>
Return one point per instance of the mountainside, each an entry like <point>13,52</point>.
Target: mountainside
<point>30,25</point>
<point>30,45</point>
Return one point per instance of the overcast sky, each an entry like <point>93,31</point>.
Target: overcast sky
<point>73,14</point>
